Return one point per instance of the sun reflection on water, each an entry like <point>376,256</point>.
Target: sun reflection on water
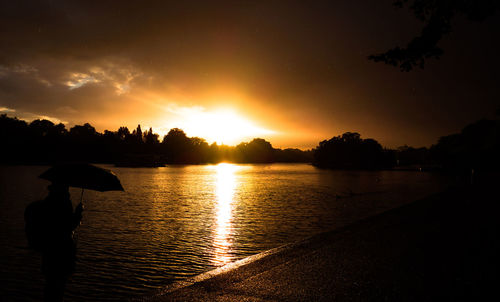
<point>225,187</point>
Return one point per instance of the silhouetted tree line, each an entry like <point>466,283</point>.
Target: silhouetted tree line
<point>476,148</point>
<point>474,151</point>
<point>42,141</point>
<point>350,151</point>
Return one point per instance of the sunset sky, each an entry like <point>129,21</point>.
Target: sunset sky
<point>292,72</point>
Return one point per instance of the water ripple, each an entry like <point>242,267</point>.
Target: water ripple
<point>179,221</point>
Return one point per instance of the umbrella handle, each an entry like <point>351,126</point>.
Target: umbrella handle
<point>81,196</point>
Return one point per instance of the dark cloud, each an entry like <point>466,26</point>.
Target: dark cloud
<point>298,62</point>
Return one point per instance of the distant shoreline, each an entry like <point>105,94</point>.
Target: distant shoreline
<point>405,168</point>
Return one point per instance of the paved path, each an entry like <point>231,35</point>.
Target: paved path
<point>444,247</point>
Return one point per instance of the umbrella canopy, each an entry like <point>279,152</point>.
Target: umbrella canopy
<point>83,176</point>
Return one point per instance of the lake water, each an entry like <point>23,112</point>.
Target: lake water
<point>179,221</point>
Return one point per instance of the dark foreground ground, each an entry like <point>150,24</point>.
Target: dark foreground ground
<point>442,248</point>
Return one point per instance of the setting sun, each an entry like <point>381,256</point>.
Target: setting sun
<point>220,126</point>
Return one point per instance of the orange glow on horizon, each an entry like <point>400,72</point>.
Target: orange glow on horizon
<point>222,118</point>
<point>222,126</point>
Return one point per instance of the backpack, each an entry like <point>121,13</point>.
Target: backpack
<point>34,225</point>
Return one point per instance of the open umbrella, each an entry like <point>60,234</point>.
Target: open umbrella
<point>83,176</point>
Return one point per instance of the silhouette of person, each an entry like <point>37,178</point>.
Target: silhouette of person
<point>58,247</point>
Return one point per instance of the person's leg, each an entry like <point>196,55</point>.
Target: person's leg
<point>54,289</point>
